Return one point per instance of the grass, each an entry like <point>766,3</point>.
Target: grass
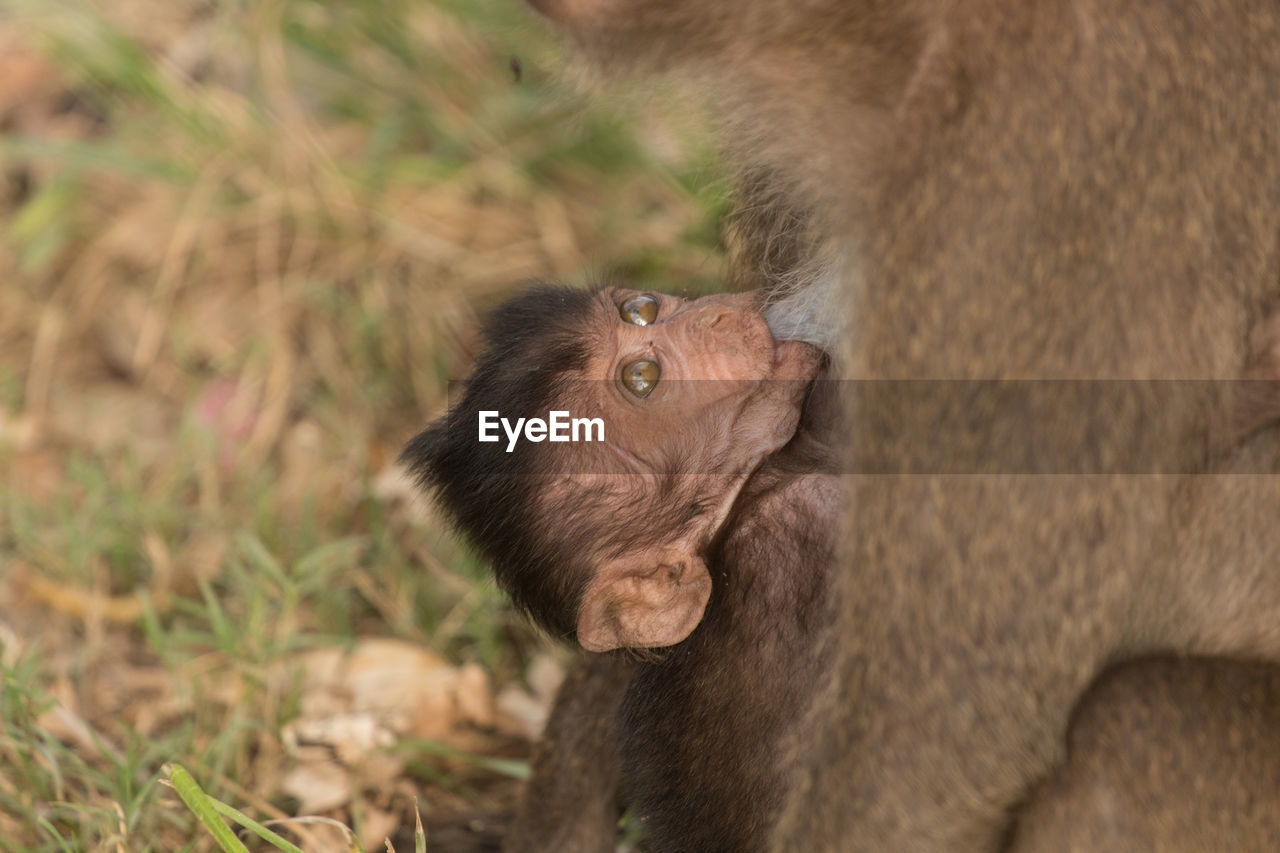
<point>242,247</point>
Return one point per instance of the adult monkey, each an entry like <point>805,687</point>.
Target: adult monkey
<point>1038,189</point>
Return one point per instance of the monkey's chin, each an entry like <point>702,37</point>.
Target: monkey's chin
<point>795,361</point>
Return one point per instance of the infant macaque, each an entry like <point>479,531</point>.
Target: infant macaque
<point>704,520</point>
<point>605,538</point>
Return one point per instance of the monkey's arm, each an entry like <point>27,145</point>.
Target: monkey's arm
<point>571,801</point>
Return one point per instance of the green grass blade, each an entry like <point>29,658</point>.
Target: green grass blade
<point>256,828</point>
<point>201,805</point>
<point>49,828</point>
<point>419,836</point>
<point>502,766</point>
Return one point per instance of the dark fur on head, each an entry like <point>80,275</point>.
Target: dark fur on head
<point>531,346</point>
<point>542,531</point>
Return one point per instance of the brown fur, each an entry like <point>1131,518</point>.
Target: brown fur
<point>1042,189</point>
<point>1167,755</point>
<point>1174,755</point>
<point>699,729</point>
<point>1258,398</point>
<point>1180,756</point>
<point>1177,756</point>
<point>571,803</point>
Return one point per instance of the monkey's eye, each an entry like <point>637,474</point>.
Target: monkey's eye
<point>639,310</point>
<point>640,377</point>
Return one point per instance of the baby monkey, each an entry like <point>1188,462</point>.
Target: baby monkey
<point>606,541</point>
<point>706,518</point>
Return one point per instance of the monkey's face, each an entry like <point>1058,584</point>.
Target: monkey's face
<point>694,387</point>
<point>701,382</point>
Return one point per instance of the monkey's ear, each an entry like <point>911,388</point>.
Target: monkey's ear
<point>645,600</point>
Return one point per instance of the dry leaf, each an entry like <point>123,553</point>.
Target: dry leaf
<point>524,712</point>
<point>520,713</point>
<point>354,703</point>
<point>474,696</point>
<point>352,736</point>
<point>377,826</point>
<point>318,786</point>
<point>545,676</point>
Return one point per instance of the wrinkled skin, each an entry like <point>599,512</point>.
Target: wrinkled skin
<point>727,397</point>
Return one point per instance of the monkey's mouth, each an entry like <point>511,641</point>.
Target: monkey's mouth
<point>795,361</point>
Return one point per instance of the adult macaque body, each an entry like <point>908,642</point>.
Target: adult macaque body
<point>1028,190</point>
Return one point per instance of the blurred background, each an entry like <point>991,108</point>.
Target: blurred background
<point>242,249</point>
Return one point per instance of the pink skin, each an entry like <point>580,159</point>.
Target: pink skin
<point>749,389</point>
<point>745,405</point>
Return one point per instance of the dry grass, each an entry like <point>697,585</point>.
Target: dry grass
<point>242,245</point>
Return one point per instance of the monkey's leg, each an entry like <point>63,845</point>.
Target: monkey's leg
<point>1227,579</point>
<point>1178,756</point>
<point>975,611</point>
<point>570,804</point>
